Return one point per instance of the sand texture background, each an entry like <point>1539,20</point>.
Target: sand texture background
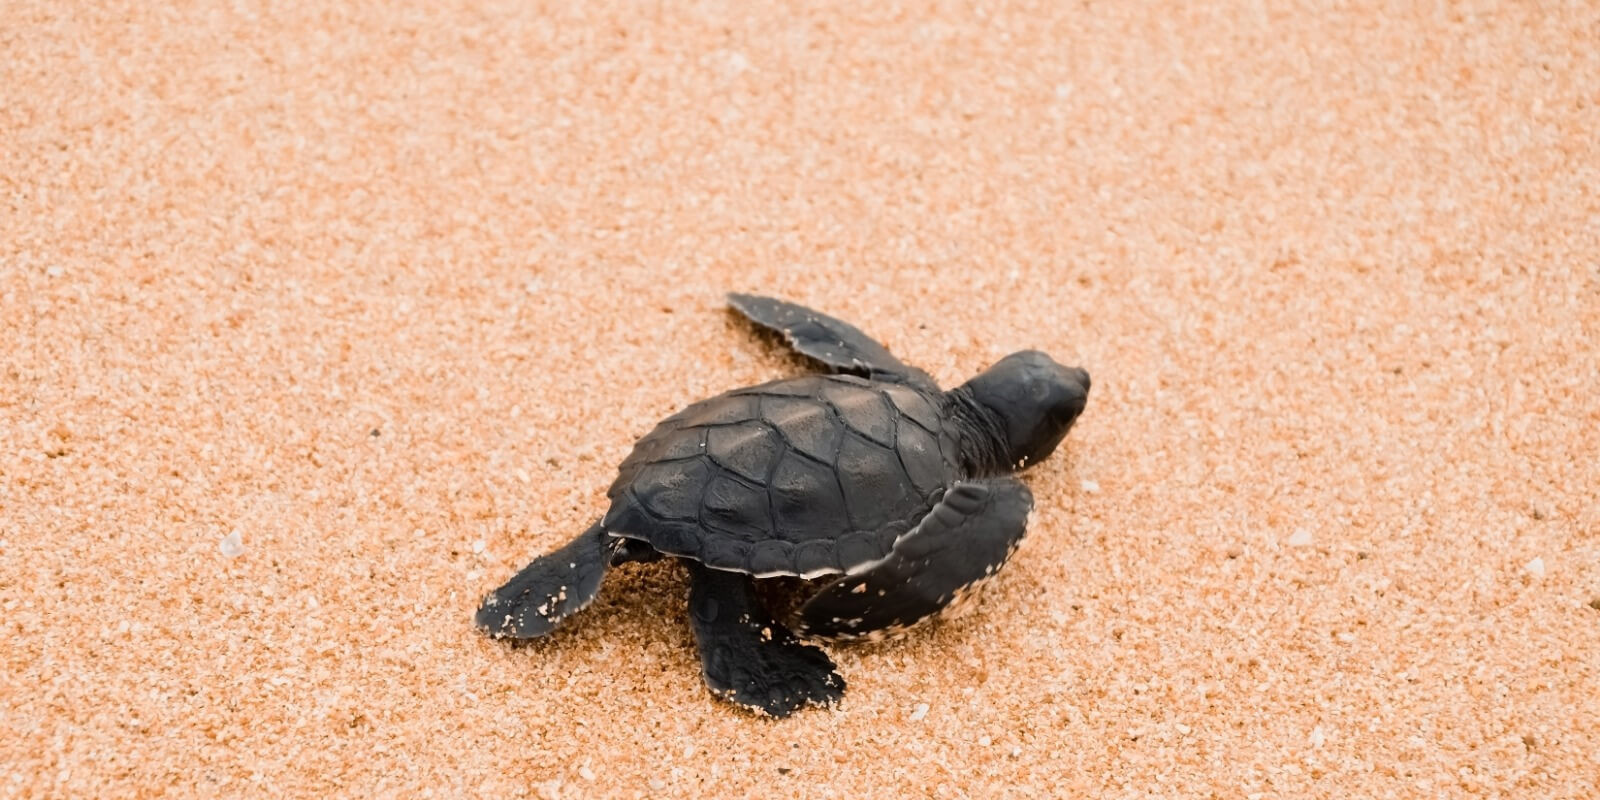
<point>390,288</point>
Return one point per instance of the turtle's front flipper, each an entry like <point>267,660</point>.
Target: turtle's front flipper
<point>837,344</point>
<point>551,588</point>
<point>965,538</point>
<point>746,656</point>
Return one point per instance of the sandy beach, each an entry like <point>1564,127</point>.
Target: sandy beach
<point>319,320</point>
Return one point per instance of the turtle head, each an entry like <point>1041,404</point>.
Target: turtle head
<point>1027,403</point>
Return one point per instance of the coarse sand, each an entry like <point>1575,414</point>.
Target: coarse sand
<point>318,320</point>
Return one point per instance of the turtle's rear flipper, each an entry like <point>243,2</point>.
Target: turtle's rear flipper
<point>550,589</point>
<point>839,345</point>
<point>748,658</point>
<point>966,538</point>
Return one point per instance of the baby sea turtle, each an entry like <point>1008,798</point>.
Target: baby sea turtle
<point>897,494</point>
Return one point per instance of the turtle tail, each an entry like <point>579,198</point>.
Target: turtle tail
<point>551,588</point>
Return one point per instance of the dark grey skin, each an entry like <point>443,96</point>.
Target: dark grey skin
<point>898,497</point>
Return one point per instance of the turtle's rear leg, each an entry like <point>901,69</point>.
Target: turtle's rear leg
<point>551,588</point>
<point>748,658</point>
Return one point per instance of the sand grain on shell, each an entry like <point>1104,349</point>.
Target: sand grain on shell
<point>389,289</point>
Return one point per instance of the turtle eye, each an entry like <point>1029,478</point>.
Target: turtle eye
<point>1039,391</point>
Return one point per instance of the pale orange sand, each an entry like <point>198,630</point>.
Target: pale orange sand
<point>390,288</point>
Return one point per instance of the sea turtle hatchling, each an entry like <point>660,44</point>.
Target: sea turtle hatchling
<point>898,495</point>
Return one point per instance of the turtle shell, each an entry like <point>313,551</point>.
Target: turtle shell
<point>802,476</point>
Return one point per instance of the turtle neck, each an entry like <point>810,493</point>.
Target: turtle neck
<point>983,438</point>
